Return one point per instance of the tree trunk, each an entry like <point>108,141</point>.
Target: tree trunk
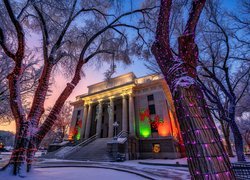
<point>226,133</point>
<point>38,136</point>
<point>206,156</point>
<point>229,146</point>
<point>17,163</point>
<point>238,141</point>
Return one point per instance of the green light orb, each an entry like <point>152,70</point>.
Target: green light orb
<point>78,136</point>
<point>145,133</point>
<point>145,128</point>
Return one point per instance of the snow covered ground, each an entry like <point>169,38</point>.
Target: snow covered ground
<point>72,173</point>
<point>182,161</point>
<point>152,171</point>
<point>128,170</point>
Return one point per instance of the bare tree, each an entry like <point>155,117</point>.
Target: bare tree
<point>241,27</point>
<point>73,33</point>
<point>244,124</point>
<point>221,54</point>
<point>61,126</point>
<point>28,81</point>
<point>206,156</point>
<point>212,44</point>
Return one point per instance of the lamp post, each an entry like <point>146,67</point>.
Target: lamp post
<point>115,124</point>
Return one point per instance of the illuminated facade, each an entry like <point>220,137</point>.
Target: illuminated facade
<point>143,107</point>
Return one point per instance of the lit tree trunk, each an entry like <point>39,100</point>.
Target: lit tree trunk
<point>17,163</point>
<point>18,157</point>
<point>52,117</point>
<point>37,109</point>
<point>206,156</point>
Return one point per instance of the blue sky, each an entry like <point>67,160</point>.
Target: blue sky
<point>137,67</point>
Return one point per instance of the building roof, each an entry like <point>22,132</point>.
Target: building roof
<point>118,82</point>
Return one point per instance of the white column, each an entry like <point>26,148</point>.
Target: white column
<point>99,120</point>
<point>85,112</point>
<point>124,114</point>
<point>111,118</point>
<point>131,115</point>
<point>72,124</point>
<point>88,123</point>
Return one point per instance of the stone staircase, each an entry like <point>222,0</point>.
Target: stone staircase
<point>57,153</point>
<point>94,151</point>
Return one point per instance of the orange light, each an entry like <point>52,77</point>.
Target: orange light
<point>70,138</point>
<point>163,129</point>
<point>175,130</point>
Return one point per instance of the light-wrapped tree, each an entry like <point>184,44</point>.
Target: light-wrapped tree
<point>206,156</point>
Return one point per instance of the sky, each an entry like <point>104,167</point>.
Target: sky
<point>94,75</point>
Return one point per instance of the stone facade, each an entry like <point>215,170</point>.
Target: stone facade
<point>142,107</point>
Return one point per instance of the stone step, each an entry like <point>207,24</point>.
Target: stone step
<point>94,151</point>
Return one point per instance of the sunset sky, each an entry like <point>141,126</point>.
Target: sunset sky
<point>92,75</point>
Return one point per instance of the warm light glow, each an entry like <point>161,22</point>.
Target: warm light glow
<point>175,130</point>
<point>70,138</point>
<point>110,93</point>
<point>163,129</point>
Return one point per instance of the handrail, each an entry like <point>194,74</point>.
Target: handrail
<point>87,140</point>
<point>76,147</point>
<point>122,133</point>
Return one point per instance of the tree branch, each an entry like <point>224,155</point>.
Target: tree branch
<point>194,15</point>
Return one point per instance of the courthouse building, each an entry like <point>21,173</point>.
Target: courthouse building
<point>142,108</point>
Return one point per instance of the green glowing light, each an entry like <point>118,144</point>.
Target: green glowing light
<point>78,136</point>
<point>145,128</point>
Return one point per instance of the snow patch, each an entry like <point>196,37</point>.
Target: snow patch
<point>71,84</point>
<point>183,81</point>
<point>74,173</point>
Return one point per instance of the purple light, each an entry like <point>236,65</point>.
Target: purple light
<point>219,158</point>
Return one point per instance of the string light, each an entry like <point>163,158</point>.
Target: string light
<point>176,68</point>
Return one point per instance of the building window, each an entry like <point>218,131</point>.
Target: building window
<point>150,97</point>
<point>151,108</point>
